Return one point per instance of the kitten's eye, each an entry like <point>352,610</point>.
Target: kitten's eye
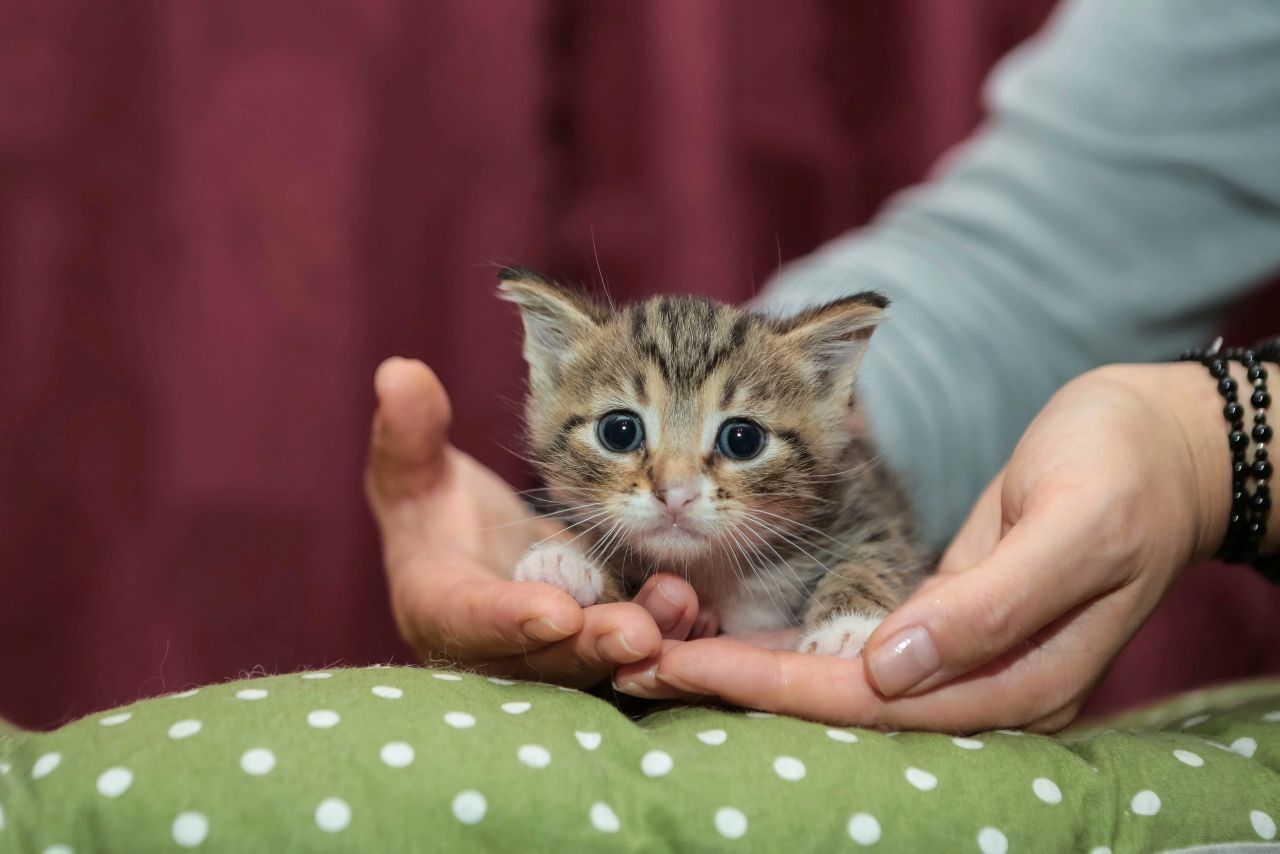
<point>740,440</point>
<point>621,432</point>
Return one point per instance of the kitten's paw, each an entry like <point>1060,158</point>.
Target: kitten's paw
<point>563,567</point>
<point>842,635</point>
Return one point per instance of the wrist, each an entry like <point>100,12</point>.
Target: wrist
<point>1198,405</point>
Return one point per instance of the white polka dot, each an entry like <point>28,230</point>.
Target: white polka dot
<point>333,815</point>
<point>864,829</point>
<point>397,754</point>
<point>1194,720</point>
<point>469,807</point>
<point>184,729</point>
<point>761,715</point>
<point>59,849</point>
<point>655,763</point>
<point>1,816</point>
<point>841,735</point>
<point>116,719</point>
<point>387,692</point>
<point>4,767</point>
<point>789,768</point>
<point>1245,746</point>
<point>1272,717</point>
<point>603,818</point>
<point>731,823</point>
<point>190,829</point>
<point>1046,790</point>
<point>1101,849</point>
<point>534,755</point>
<point>1009,732</point>
<point>459,720</point>
<point>447,677</point>
<point>1146,802</point>
<point>323,718</point>
<point>317,674</point>
<point>258,761</point>
<point>713,737</point>
<point>992,841</point>
<point>588,740</point>
<point>967,743</point>
<point>498,680</point>
<point>922,780</point>
<point>182,695</point>
<point>1186,757</point>
<point>45,765</point>
<point>516,708</point>
<point>114,782</point>
<point>250,694</point>
<point>1263,824</point>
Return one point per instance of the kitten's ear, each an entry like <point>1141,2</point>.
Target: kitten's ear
<point>835,335</point>
<point>554,318</point>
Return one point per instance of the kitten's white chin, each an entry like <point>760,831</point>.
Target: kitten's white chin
<point>672,541</point>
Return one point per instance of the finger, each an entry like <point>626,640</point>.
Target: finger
<point>813,686</point>
<point>968,618</point>
<point>408,439</point>
<point>672,603</point>
<point>449,609</point>
<point>979,534</point>
<point>1028,685</point>
<point>611,636</point>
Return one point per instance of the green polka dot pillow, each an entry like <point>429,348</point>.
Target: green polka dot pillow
<point>401,759</point>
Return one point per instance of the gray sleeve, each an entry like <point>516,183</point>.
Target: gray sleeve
<point>1124,192</point>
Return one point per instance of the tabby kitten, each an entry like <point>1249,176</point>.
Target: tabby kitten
<point>682,435</point>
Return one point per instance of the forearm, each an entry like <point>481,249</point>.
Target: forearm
<point>1100,217</point>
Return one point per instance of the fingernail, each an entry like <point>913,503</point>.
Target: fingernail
<point>614,647</point>
<point>543,629</point>
<point>904,662</point>
<point>635,687</point>
<point>664,608</point>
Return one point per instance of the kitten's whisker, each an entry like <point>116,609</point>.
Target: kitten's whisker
<point>620,541</point>
<point>568,528</point>
<point>866,464</point>
<point>798,523</point>
<point>792,537</point>
<point>758,574</point>
<point>517,454</point>
<point>588,530</point>
<point>540,516</point>
<point>783,534</point>
<point>600,544</point>
<point>781,561</point>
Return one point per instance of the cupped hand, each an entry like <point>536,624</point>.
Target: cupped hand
<point>1116,487</point>
<point>451,533</point>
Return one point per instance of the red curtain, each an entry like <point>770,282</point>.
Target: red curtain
<point>216,219</point>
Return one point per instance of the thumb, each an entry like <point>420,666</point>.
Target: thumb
<point>410,429</point>
<point>965,619</point>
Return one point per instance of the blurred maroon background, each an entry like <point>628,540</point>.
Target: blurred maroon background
<point>216,219</point>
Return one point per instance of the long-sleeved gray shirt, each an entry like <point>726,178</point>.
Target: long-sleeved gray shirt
<point>1125,190</point>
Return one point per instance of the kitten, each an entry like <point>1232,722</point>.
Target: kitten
<point>683,435</point>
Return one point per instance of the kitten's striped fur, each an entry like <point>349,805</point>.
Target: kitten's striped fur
<point>809,532</point>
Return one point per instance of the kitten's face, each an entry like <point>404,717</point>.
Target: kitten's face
<point>682,428</point>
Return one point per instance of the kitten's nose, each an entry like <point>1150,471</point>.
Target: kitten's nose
<point>679,495</point>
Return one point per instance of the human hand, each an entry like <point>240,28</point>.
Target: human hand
<point>1117,485</point>
<point>452,531</point>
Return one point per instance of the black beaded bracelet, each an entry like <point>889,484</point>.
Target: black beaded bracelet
<point>1247,526</point>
